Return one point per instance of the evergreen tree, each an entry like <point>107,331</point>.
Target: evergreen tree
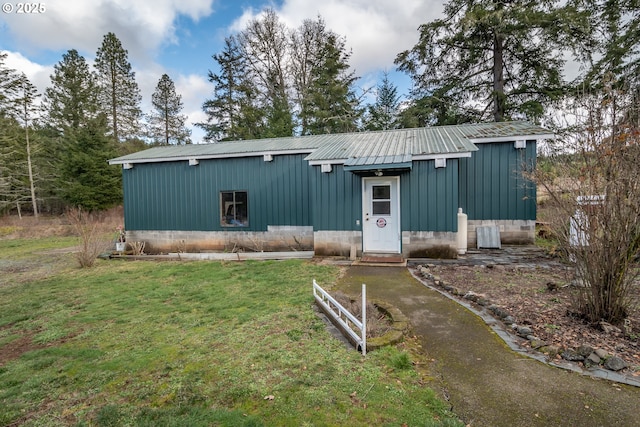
<point>12,160</point>
<point>612,56</point>
<point>71,102</point>
<point>8,86</point>
<point>331,105</point>
<point>167,125</point>
<point>72,98</point>
<point>232,114</point>
<point>26,112</point>
<point>273,81</point>
<point>614,47</point>
<point>491,59</point>
<point>306,43</point>
<point>383,114</point>
<point>86,179</point>
<point>10,133</point>
<point>18,110</point>
<point>119,92</point>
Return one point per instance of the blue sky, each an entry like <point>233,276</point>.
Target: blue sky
<point>178,37</point>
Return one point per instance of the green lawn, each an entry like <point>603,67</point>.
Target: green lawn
<point>189,343</point>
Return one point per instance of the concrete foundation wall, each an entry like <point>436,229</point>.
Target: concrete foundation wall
<point>337,243</point>
<point>428,244</point>
<point>276,238</point>
<point>512,232</point>
<point>415,244</point>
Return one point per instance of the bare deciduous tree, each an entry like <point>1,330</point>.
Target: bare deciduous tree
<point>595,196</point>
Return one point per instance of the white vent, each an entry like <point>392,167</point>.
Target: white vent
<point>193,162</point>
<point>441,163</point>
<point>127,166</point>
<point>268,158</point>
<point>520,143</point>
<point>326,167</point>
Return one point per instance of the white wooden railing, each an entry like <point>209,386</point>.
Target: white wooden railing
<point>341,315</point>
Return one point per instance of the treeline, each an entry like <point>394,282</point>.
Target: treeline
<point>484,60</point>
<point>54,146</point>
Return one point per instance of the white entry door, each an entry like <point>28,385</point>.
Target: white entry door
<point>381,215</point>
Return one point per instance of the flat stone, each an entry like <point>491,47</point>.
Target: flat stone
<point>584,350</point>
<point>614,363</point>
<point>572,356</point>
<point>537,344</point>
<point>523,331</point>
<point>602,354</point>
<point>550,350</point>
<point>592,360</point>
<point>509,319</point>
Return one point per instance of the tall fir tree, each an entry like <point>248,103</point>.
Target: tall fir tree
<point>71,103</point>
<point>8,86</point>
<point>27,110</point>
<point>166,124</point>
<point>490,59</point>
<point>612,56</point>
<point>331,105</point>
<point>306,43</point>
<point>232,113</point>
<point>276,82</point>
<point>384,113</point>
<point>86,179</point>
<point>119,92</point>
<point>72,98</point>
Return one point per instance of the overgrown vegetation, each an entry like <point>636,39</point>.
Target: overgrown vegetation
<point>191,343</point>
<point>377,321</point>
<point>91,232</point>
<point>594,199</point>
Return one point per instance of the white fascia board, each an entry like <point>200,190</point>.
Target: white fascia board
<point>213,156</point>
<point>327,162</point>
<point>512,138</point>
<point>415,157</point>
<point>442,156</point>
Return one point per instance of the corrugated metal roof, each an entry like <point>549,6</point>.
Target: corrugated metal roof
<point>489,131</point>
<point>383,147</point>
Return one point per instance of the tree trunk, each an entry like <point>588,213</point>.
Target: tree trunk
<point>32,186</point>
<point>498,78</point>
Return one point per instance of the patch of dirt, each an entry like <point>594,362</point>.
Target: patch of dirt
<point>17,347</point>
<point>543,299</point>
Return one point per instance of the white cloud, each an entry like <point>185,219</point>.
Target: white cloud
<point>375,30</point>
<point>142,25</point>
<point>192,88</point>
<point>37,74</point>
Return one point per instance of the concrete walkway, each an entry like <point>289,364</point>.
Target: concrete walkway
<point>486,383</point>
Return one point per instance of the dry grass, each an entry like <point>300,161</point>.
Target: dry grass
<point>377,322</point>
<point>28,227</point>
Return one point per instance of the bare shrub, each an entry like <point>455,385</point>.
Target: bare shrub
<point>594,194</point>
<point>137,248</point>
<point>92,235</point>
<point>377,321</point>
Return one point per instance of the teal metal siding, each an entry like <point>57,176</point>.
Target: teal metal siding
<point>492,185</point>
<point>176,196</point>
<point>429,197</point>
<point>337,198</point>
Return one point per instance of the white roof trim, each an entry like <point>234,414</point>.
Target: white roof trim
<point>213,156</point>
<point>442,156</point>
<point>327,162</point>
<point>414,157</point>
<point>512,138</point>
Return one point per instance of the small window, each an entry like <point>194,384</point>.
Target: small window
<point>381,202</point>
<point>233,209</point>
